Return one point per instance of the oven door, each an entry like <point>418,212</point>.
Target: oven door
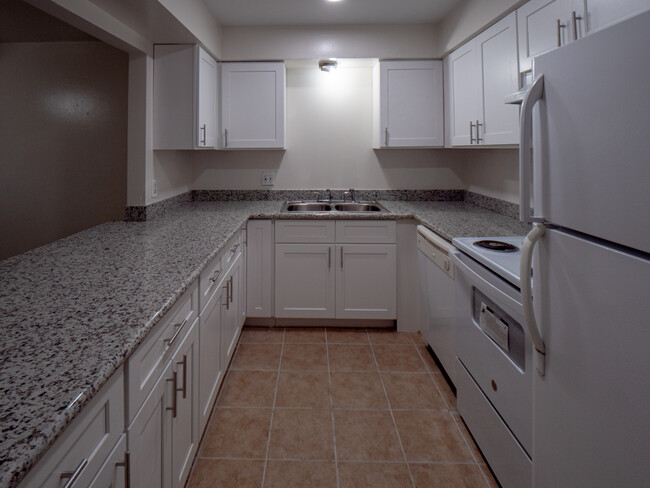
<point>492,344</point>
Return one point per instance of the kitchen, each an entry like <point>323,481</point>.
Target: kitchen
<point>485,171</point>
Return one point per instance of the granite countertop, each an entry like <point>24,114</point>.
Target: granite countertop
<point>71,312</point>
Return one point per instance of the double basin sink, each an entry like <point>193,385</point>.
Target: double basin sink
<point>333,206</point>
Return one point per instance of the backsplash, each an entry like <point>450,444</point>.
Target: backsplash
<point>148,212</point>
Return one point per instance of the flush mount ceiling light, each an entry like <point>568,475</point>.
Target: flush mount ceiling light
<point>333,0</point>
<point>327,64</point>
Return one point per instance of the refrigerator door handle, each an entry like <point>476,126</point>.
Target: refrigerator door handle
<point>534,94</point>
<point>527,296</point>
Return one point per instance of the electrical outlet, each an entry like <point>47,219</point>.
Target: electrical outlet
<point>268,178</point>
<point>154,189</point>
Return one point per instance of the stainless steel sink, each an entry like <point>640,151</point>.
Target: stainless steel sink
<point>308,207</point>
<point>358,207</point>
<point>314,206</point>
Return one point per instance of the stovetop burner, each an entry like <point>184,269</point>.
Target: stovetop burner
<point>496,246</point>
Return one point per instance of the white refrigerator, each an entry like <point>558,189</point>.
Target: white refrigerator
<point>588,311</point>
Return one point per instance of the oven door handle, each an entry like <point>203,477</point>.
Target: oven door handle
<point>527,295</point>
<point>511,305</point>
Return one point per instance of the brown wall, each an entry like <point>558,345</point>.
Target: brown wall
<point>63,130</point>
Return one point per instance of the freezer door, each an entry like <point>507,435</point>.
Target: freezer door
<point>590,411</point>
<point>591,135</point>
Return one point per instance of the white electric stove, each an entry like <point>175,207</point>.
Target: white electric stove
<point>499,254</point>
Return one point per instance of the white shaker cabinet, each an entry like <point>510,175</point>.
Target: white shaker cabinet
<point>253,105</point>
<point>408,104</point>
<point>185,98</point>
<point>588,16</point>
<point>305,281</point>
<point>481,73</point>
<point>366,281</point>
<point>543,25</point>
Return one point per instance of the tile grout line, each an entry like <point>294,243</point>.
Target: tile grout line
<point>329,377</point>
<point>399,437</point>
<point>465,440</point>
<point>275,396</point>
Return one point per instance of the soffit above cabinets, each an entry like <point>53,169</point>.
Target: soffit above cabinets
<point>299,12</point>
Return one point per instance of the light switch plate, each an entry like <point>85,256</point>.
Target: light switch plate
<point>268,178</point>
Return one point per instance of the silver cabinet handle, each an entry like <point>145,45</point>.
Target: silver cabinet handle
<point>179,327</point>
<point>126,464</point>
<point>184,364</point>
<point>227,287</point>
<point>575,18</point>
<point>386,137</point>
<point>73,476</point>
<point>471,128</point>
<point>560,26</point>
<point>231,290</point>
<point>234,248</point>
<point>478,138</point>
<point>225,142</point>
<point>216,275</point>
<point>204,137</point>
<point>341,257</point>
<point>329,258</point>
<point>174,380</point>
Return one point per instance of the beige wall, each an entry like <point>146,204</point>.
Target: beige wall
<point>469,18</point>
<point>341,41</point>
<point>492,172</point>
<point>62,140</point>
<point>329,144</point>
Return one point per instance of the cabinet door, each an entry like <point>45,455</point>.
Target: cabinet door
<point>210,372</point>
<point>595,15</point>
<point>114,471</point>
<point>230,316</point>
<point>366,280</point>
<point>149,437</point>
<point>411,104</point>
<point>543,25</point>
<point>259,268</point>
<point>463,95</point>
<point>206,106</point>
<point>253,105</point>
<point>304,280</point>
<point>185,425</point>
<point>496,49</point>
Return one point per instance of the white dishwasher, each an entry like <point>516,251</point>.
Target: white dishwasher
<point>438,309</point>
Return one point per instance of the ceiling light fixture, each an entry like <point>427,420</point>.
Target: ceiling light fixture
<point>327,64</point>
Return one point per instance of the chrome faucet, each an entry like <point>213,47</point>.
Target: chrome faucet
<point>351,193</point>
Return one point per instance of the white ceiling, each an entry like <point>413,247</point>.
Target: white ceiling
<point>313,12</point>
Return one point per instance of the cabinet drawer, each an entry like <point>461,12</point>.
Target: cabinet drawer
<point>147,362</point>
<point>366,231</point>
<point>209,281</point>
<point>231,251</point>
<point>505,455</point>
<point>86,443</point>
<point>305,231</point>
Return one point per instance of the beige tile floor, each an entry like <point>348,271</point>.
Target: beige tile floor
<point>336,408</point>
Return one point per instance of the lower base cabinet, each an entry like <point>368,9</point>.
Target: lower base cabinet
<point>164,435</point>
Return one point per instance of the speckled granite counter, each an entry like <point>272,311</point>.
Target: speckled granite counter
<point>72,311</point>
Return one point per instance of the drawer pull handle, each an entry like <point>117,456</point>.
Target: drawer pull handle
<point>216,274</point>
<point>126,464</point>
<point>234,248</point>
<point>494,385</point>
<point>174,380</point>
<point>179,327</point>
<point>73,476</point>
<point>184,364</point>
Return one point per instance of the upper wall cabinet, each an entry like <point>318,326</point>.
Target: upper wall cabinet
<point>544,25</point>
<point>253,105</point>
<point>408,104</point>
<point>185,91</point>
<point>480,74</point>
